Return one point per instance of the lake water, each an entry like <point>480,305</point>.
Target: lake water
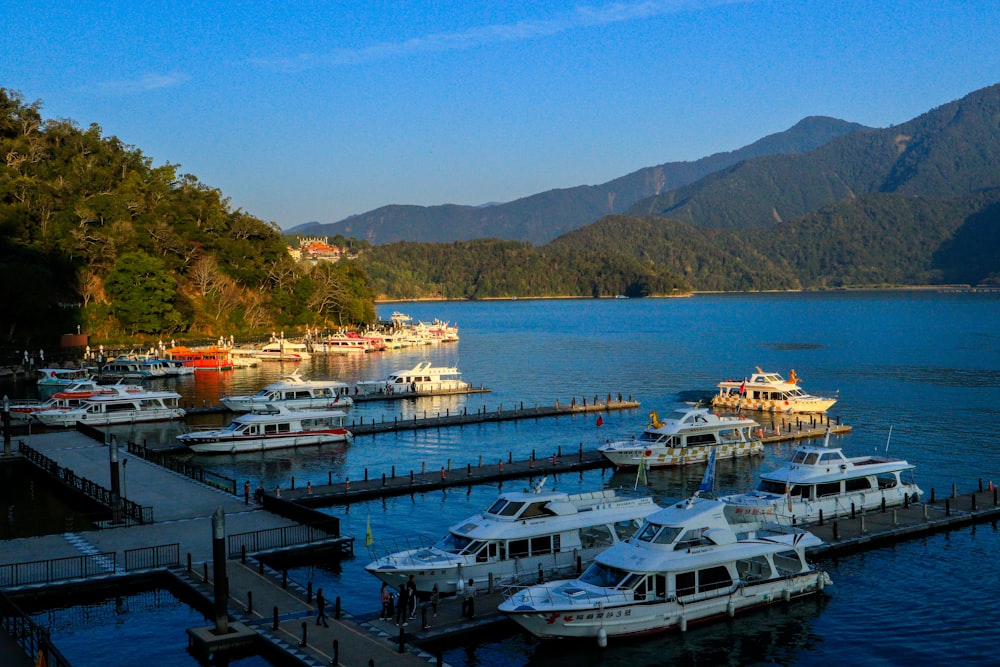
<point>925,364</point>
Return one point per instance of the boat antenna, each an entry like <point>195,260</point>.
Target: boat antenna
<point>887,439</point>
<point>541,483</point>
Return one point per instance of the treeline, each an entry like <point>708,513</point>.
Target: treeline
<point>95,236</point>
<point>492,268</point>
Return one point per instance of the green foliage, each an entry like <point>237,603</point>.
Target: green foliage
<point>81,212</point>
<point>142,294</point>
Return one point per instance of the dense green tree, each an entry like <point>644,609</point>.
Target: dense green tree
<point>143,294</point>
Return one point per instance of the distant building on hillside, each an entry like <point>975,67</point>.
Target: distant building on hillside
<point>315,250</point>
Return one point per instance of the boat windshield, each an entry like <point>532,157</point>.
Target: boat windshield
<point>453,544</point>
<point>657,534</point>
<point>504,507</point>
<point>603,576</point>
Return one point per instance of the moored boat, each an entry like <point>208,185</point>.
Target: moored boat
<point>281,349</point>
<point>70,397</point>
<point>523,534</point>
<point>686,564</point>
<point>823,479</point>
<point>295,393</point>
<point>212,358</point>
<point>267,427</point>
<point>685,437</point>
<point>343,344</point>
<point>769,392</point>
<point>421,378</point>
<point>122,406</point>
<point>60,377</point>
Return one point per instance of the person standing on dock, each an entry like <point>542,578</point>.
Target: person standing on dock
<point>386,598</point>
<point>321,608</point>
<point>411,596</point>
<point>402,604</point>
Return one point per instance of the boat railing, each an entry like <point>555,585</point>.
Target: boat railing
<point>390,547</point>
<point>538,596</point>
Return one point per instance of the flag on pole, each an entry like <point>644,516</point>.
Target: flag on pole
<point>640,474</point>
<point>41,659</point>
<point>600,420</point>
<point>368,531</point>
<point>708,481</point>
<point>743,388</point>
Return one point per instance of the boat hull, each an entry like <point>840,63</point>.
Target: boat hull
<point>655,456</point>
<point>758,506</point>
<point>67,419</point>
<point>642,618</point>
<point>246,404</point>
<point>214,443</point>
<point>815,404</point>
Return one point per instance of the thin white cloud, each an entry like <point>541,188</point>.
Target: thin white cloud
<point>143,84</point>
<point>582,17</point>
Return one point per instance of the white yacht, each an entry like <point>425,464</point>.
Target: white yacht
<point>769,392</point>
<point>421,378</point>
<point>823,478</point>
<point>520,536</point>
<point>296,393</point>
<point>284,350</point>
<point>123,405</point>
<point>270,427</point>
<point>686,564</point>
<point>686,436</point>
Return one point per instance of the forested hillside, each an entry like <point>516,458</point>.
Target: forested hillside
<point>951,151</point>
<point>94,235</point>
<point>542,217</point>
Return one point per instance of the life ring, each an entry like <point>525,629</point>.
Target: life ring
<point>648,452</point>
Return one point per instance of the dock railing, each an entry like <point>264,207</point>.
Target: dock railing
<point>58,569</point>
<point>131,512</point>
<point>276,538</point>
<point>30,637</point>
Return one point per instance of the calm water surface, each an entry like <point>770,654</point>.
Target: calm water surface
<point>925,364</point>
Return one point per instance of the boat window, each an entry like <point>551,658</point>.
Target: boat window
<point>812,459</point>
<point>453,544</point>
<point>517,548</point>
<point>684,583</point>
<point>541,545</point>
<point>284,427</point>
<point>497,506</point>
<point>511,509</point>
<point>830,457</point>
<point>799,456</point>
<point>602,575</point>
<point>887,481</point>
<point>787,562</point>
<point>701,439</point>
<point>828,489</point>
<point>626,529</point>
<point>667,535</point>
<point>647,532</point>
<point>535,510</point>
<point>637,582</point>
<point>649,437</point>
<point>796,491</point>
<point>691,538</point>
<point>270,429</point>
<point>658,586</point>
<point>857,484</point>
<point>474,547</point>
<point>595,536</point>
<point>713,578</point>
<point>753,569</point>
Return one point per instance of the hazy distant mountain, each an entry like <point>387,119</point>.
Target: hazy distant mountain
<point>542,217</point>
<point>950,151</point>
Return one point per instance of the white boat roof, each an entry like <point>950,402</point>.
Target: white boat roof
<point>293,379</point>
<point>267,413</point>
<point>721,543</point>
<point>827,464</point>
<point>124,394</point>
<point>694,419</point>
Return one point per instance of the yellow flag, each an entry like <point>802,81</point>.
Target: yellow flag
<point>368,532</point>
<point>41,659</point>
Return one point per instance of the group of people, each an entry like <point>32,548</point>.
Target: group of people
<point>405,608</point>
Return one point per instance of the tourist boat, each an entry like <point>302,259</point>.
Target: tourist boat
<point>685,437</point>
<point>284,350</point>
<point>822,479</point>
<point>212,358</point>
<point>686,564</point>
<point>124,368</point>
<point>244,357</point>
<point>175,367</point>
<point>421,378</point>
<point>60,377</point>
<point>295,393</point>
<point>522,534</point>
<point>343,344</point>
<point>121,406</point>
<point>270,426</point>
<point>769,392</point>
<point>67,398</point>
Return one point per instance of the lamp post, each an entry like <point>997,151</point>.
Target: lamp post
<point>6,425</point>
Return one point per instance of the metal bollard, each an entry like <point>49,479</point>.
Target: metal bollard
<point>947,506</point>
<point>383,479</point>
<point>895,519</point>
<point>189,561</point>
<point>336,609</point>
<point>243,553</point>
<point>974,508</point>
<point>204,571</point>
<point>423,618</point>
<point>836,531</point>
<point>274,624</point>
<point>821,517</point>
<point>336,653</point>
<point>402,640</point>
<point>249,603</point>
<point>284,578</point>
<point>309,592</point>
<point>305,630</point>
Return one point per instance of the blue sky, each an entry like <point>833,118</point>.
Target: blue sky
<point>302,111</point>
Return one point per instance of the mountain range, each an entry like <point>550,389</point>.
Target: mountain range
<point>542,217</point>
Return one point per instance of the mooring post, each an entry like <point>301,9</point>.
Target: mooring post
<point>274,622</point>
<point>219,570</point>
<point>249,603</point>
